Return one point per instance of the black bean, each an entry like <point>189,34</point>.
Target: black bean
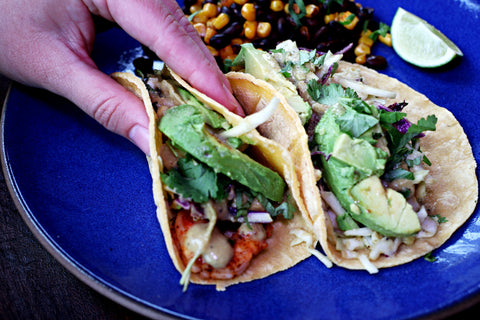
<point>233,29</point>
<point>376,62</point>
<point>320,35</point>
<point>365,13</point>
<point>220,40</point>
<point>284,27</point>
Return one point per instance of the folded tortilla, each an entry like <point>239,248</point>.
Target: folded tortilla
<point>452,193</point>
<point>280,254</point>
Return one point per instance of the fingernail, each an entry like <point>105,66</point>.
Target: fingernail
<point>140,137</point>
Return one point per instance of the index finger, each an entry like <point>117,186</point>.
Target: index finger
<point>163,27</point>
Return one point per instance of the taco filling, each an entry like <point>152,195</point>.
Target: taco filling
<point>371,164</point>
<point>222,203</point>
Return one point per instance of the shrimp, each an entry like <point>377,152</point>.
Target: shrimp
<point>246,245</point>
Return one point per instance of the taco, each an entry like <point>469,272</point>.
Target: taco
<point>387,176</point>
<point>227,198</point>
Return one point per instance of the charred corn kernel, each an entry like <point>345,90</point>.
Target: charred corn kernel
<point>361,49</point>
<point>213,51</point>
<point>361,59</point>
<point>305,33</point>
<point>387,40</point>
<point>240,2</point>
<point>221,21</point>
<point>209,32</point>
<point>236,41</point>
<point>345,17</point>
<point>366,40</point>
<point>311,10</point>
<point>201,28</point>
<point>200,17</point>
<point>264,29</point>
<point>226,3</point>
<point>295,6</point>
<point>276,5</point>
<point>194,8</point>
<point>250,29</point>
<point>211,10</point>
<point>248,11</point>
<point>225,52</point>
<point>330,17</point>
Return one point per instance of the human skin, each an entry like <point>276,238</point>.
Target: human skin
<point>47,44</point>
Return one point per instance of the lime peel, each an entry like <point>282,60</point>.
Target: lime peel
<point>419,43</point>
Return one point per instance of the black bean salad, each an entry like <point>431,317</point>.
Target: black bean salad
<point>324,25</point>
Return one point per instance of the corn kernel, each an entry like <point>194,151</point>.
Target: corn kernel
<point>230,57</point>
<point>209,32</point>
<point>264,29</point>
<point>387,40</point>
<point>330,17</point>
<point>366,33</point>
<point>200,28</point>
<point>361,59</point>
<point>226,3</point>
<point>276,5</point>
<point>248,11</point>
<point>200,17</point>
<point>311,10</point>
<point>225,52</point>
<point>221,21</point>
<point>211,10</point>
<point>213,51</point>
<point>305,33</point>
<point>250,29</point>
<point>361,49</point>
<point>344,16</point>
<point>194,8</point>
<point>366,40</point>
<point>236,42</point>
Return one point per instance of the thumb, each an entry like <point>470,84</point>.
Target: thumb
<point>113,106</point>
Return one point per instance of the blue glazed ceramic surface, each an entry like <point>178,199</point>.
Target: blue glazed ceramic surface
<point>86,194</point>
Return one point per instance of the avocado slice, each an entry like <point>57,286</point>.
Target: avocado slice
<point>384,210</point>
<point>263,66</point>
<point>186,128</point>
<point>351,169</point>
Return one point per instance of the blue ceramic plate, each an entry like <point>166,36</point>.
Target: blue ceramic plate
<point>86,194</point>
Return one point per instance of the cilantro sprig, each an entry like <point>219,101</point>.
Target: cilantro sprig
<point>359,117</point>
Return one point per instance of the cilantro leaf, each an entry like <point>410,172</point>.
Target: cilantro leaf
<point>398,174</point>
<point>354,123</point>
<point>328,94</point>
<point>193,180</point>
<point>297,17</point>
<point>381,31</point>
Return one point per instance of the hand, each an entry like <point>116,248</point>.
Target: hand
<point>46,43</point>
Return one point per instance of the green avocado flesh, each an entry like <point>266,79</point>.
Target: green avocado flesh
<point>186,128</point>
<point>351,169</point>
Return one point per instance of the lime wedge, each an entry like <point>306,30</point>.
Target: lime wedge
<point>419,43</point>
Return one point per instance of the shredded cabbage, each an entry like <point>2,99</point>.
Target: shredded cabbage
<point>252,121</point>
<point>304,236</point>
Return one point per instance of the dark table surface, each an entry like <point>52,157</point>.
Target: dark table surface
<point>33,285</point>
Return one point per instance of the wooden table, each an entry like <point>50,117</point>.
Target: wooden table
<point>33,285</point>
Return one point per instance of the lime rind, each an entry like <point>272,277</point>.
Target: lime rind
<point>419,43</point>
